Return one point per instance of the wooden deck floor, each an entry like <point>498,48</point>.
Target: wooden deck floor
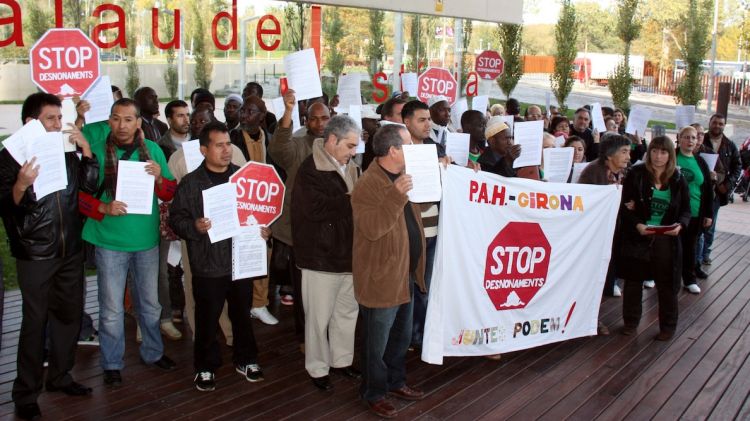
<point>704,372</point>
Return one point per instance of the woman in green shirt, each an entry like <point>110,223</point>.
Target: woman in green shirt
<point>653,193</point>
<point>695,171</point>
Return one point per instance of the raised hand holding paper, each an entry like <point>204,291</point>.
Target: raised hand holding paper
<point>50,157</point>
<point>598,118</point>
<point>638,120</point>
<point>16,143</point>
<point>278,109</point>
<point>302,74</point>
<point>100,99</point>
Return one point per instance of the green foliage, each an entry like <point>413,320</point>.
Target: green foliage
<point>38,22</point>
<point>596,35</point>
<point>334,32</point>
<point>566,36</point>
<point>466,57</point>
<point>294,25</point>
<point>203,64</point>
<point>511,39</point>
<point>416,43</point>
<point>628,29</point>
<point>620,84</point>
<point>133,79</point>
<point>170,75</point>
<point>376,48</point>
<point>699,12</point>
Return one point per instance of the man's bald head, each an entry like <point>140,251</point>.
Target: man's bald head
<point>318,117</point>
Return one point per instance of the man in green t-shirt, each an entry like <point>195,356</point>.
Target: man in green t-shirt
<point>126,242</point>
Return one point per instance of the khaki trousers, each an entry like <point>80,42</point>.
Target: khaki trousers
<point>330,319</point>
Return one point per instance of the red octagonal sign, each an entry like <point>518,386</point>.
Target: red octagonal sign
<point>260,194</point>
<point>64,62</point>
<point>489,65</point>
<point>517,265</point>
<point>437,81</point>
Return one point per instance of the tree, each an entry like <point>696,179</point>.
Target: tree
<point>294,24</point>
<point>333,35</point>
<point>596,35</point>
<point>133,79</point>
<point>203,64</point>
<point>510,38</point>
<point>628,29</point>
<point>466,57</point>
<point>416,43</point>
<point>696,46</point>
<point>376,48</point>
<point>566,36</point>
<point>170,74</point>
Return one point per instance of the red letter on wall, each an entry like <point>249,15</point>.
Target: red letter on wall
<point>383,87</point>
<point>275,30</point>
<point>215,24</point>
<point>175,41</point>
<point>472,84</point>
<point>118,24</point>
<point>58,14</point>
<point>17,34</point>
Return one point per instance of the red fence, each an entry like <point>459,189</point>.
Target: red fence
<point>665,82</point>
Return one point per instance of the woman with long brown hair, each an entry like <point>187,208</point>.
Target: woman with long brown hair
<point>656,208</point>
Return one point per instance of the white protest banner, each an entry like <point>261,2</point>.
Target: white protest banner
<point>519,263</point>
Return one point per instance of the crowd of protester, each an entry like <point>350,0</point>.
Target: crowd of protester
<point>349,244</point>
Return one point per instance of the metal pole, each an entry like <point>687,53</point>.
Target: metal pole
<point>398,46</point>
<point>458,44</point>
<point>712,81</point>
<point>243,47</point>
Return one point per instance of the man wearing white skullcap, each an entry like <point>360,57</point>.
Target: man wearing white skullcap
<point>440,113</point>
<point>498,158</point>
<point>232,105</point>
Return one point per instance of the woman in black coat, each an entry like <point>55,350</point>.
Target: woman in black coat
<point>654,194</point>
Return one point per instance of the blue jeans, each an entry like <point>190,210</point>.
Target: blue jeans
<point>705,241</point>
<point>420,298</point>
<point>387,333</point>
<point>113,267</point>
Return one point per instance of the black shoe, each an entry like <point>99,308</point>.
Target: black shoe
<point>28,411</point>
<point>112,378</point>
<point>323,383</point>
<point>70,389</point>
<point>700,274</point>
<point>165,363</point>
<point>350,372</point>
<point>204,381</point>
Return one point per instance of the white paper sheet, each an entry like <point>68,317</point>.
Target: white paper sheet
<point>710,159</point>
<point>480,103</point>
<point>423,166</point>
<point>598,118</point>
<point>409,83</point>
<point>50,157</point>
<point>558,163</point>
<point>457,147</point>
<point>69,115</point>
<point>302,74</point>
<point>355,112</point>
<point>638,120</point>
<point>193,155</point>
<point>684,115</point>
<point>529,134</point>
<point>559,141</point>
<point>577,170</point>
<point>349,91</point>
<point>508,119</point>
<point>100,99</point>
<point>135,187</point>
<point>16,143</point>
<point>457,110</point>
<point>249,254</point>
<point>174,255</point>
<point>278,109</point>
<point>220,207</point>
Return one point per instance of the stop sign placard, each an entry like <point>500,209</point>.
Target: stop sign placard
<point>437,81</point>
<point>517,265</point>
<point>64,62</point>
<point>489,65</point>
<point>260,193</point>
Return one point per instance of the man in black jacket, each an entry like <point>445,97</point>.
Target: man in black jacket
<point>45,239</point>
<point>211,265</point>
<point>714,141</point>
<point>322,231</point>
<point>499,156</point>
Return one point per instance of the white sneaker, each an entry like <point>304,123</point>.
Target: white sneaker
<point>262,314</point>
<point>616,292</point>
<point>693,288</point>
<point>138,336</point>
<point>649,284</point>
<point>170,331</point>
